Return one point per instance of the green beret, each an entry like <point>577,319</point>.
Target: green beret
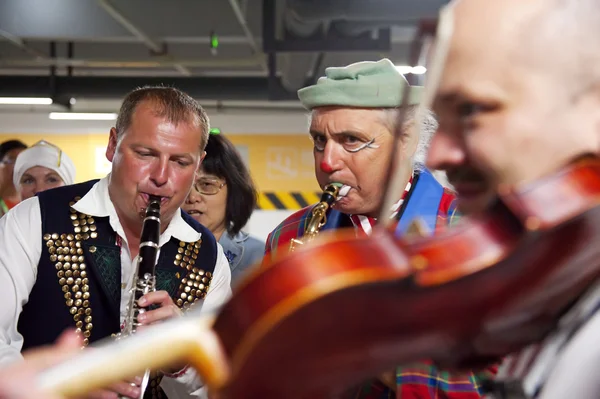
<point>367,84</point>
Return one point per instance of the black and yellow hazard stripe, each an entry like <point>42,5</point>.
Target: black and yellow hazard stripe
<point>286,200</point>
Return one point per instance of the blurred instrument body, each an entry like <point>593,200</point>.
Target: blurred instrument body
<point>335,312</point>
<point>144,280</point>
<point>318,216</point>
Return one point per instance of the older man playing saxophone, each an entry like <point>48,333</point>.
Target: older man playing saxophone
<point>354,110</point>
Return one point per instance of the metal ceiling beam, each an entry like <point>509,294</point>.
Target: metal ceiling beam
<point>18,42</point>
<point>134,30</point>
<point>239,14</point>
<point>208,88</point>
<point>155,62</point>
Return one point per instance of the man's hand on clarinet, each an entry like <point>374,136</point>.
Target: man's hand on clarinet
<point>166,309</point>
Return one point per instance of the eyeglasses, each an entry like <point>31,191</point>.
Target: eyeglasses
<point>208,186</point>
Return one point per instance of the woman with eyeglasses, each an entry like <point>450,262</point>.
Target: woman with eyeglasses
<point>223,199</point>
<point>41,167</point>
<point>9,196</point>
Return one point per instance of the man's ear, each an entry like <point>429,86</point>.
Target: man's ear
<point>111,148</point>
<point>410,141</point>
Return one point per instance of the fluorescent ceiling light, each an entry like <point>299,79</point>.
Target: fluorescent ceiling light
<point>26,100</point>
<point>405,70</point>
<point>82,116</point>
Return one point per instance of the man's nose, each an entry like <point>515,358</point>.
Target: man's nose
<point>332,159</point>
<point>444,151</point>
<point>160,172</point>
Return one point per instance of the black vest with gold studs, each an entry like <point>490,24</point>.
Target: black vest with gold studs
<point>78,283</point>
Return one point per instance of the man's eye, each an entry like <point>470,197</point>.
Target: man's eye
<point>467,109</point>
<point>320,142</point>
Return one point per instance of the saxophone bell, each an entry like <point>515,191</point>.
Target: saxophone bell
<point>318,216</point>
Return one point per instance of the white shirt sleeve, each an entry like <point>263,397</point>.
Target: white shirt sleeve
<point>575,373</point>
<point>20,251</point>
<point>218,294</point>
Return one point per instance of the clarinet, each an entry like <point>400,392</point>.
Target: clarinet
<point>144,278</point>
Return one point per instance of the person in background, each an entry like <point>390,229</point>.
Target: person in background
<point>9,197</point>
<point>41,167</point>
<point>223,200</point>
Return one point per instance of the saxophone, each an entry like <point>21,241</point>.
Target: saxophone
<point>318,216</point>
<point>144,278</point>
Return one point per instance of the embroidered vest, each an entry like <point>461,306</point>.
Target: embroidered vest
<point>79,272</point>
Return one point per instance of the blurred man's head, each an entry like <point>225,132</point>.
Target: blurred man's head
<point>519,95</point>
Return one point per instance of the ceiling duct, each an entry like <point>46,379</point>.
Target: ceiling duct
<point>312,11</point>
<point>305,18</point>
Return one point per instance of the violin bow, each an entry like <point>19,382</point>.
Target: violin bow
<point>434,36</point>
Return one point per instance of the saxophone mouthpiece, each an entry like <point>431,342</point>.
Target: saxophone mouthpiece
<point>330,193</point>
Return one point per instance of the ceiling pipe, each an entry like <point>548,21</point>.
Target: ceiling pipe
<point>134,30</point>
<point>155,62</point>
<point>239,14</point>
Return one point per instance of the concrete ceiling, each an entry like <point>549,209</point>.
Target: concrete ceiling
<point>100,49</point>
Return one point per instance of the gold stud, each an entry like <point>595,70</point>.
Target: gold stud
<point>77,229</point>
<point>94,234</point>
<point>179,302</point>
<point>73,310</point>
<point>180,250</point>
<point>77,302</point>
<point>86,295</point>
<point>87,334</point>
<point>53,258</point>
<point>181,244</point>
<point>86,236</point>
<point>92,249</point>
<point>47,237</point>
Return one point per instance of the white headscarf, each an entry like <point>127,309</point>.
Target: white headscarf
<point>47,155</point>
